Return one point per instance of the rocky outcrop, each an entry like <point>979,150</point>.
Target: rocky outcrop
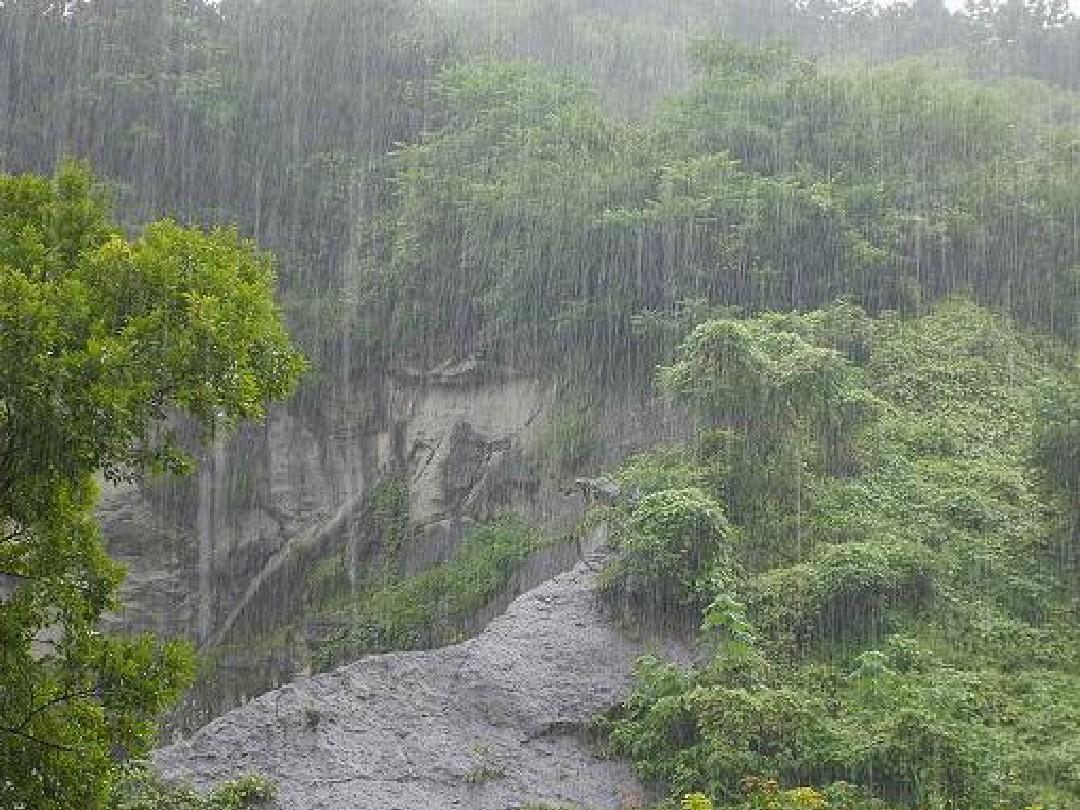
<point>224,557</point>
<point>198,550</point>
<point>497,722</point>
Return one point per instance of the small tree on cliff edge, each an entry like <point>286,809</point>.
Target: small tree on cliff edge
<point>100,337</point>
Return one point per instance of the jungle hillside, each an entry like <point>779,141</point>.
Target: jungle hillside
<point>841,238</point>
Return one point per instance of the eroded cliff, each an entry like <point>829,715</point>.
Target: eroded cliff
<point>228,558</point>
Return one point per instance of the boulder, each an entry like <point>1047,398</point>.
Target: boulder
<point>500,721</point>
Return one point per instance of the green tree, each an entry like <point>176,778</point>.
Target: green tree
<point>791,402</point>
<point>882,184</point>
<point>101,339</point>
<point>670,544</point>
<point>500,236</point>
<point>1056,452</point>
<point>923,645</point>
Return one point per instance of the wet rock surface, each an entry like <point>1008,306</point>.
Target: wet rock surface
<point>499,721</point>
<point>223,557</point>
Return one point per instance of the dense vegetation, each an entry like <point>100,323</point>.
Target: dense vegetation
<point>102,339</point>
<point>855,252</point>
<point>277,115</point>
<point>141,789</point>
<point>532,228</point>
<point>901,616</point>
<point>887,588</point>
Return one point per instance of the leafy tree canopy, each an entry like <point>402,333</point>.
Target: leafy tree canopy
<point>529,225</point>
<point>102,338</point>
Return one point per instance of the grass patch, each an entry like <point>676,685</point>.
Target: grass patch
<point>430,608</point>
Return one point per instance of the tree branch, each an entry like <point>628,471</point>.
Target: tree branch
<point>14,732</point>
<point>7,451</point>
<point>44,707</point>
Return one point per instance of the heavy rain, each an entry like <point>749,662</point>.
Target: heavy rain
<point>539,405</point>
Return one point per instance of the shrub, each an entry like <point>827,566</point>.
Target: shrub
<point>141,789</point>
<point>431,607</point>
<point>845,592</point>
<point>669,546</point>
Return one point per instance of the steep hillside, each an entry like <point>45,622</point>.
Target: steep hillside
<point>881,552</point>
<point>793,320</point>
<point>326,536</point>
<point>871,547</point>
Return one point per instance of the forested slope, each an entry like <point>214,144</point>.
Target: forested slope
<point>852,253</point>
<point>878,555</point>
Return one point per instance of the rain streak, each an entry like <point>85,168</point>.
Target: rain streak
<point>539,405</point>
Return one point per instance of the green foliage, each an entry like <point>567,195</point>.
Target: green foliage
<point>1056,451</point>
<point>115,331</point>
<point>766,378</point>
<point>101,338</point>
<point>861,464</point>
<point>389,509</point>
<point>668,544</point>
<point>694,732</point>
<point>696,801</point>
<point>843,592</point>
<point>788,405</point>
<point>531,227</point>
<point>862,161</point>
<point>919,640</point>
<point>141,789</point>
<point>671,467</point>
<point>204,110</point>
<point>427,608</point>
<point>569,441</point>
<point>496,236</point>
<point>387,519</point>
<point>766,794</point>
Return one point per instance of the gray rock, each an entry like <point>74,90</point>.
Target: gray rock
<point>467,453</point>
<point>223,557</point>
<point>607,492</point>
<point>494,723</point>
<point>434,544</point>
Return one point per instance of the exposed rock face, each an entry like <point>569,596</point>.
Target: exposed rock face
<point>494,723</point>
<point>157,553</point>
<point>223,557</point>
<point>195,548</point>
